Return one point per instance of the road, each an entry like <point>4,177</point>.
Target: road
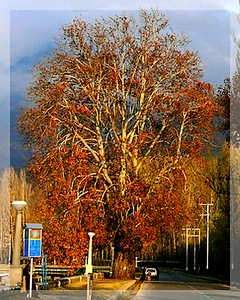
<point>169,286</point>
<point>173,285</point>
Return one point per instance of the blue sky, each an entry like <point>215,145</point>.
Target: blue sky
<point>28,29</point>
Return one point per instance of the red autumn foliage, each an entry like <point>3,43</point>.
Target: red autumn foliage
<point>118,111</point>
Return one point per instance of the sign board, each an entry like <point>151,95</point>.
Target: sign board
<point>32,240</point>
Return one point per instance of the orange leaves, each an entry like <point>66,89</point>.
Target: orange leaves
<point>68,208</point>
<point>83,110</point>
<point>61,86</point>
<point>73,109</point>
<point>118,113</point>
<point>112,75</point>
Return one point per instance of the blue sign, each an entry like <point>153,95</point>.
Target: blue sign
<point>35,248</point>
<point>32,240</point>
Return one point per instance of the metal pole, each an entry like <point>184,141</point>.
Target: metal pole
<point>89,286</point>
<point>31,272</point>
<point>112,260</point>
<point>194,252</point>
<point>89,268</point>
<point>208,216</point>
<point>199,249</point>
<point>89,264</point>
<point>186,248</point>
<point>207,263</point>
<point>44,271</point>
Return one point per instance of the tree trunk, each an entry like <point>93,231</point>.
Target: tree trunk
<point>124,265</point>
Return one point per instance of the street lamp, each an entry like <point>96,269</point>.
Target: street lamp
<point>16,270</point>
<point>89,267</point>
<point>19,206</point>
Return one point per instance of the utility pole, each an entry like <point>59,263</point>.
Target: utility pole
<point>192,232</point>
<point>207,214</point>
<point>194,253</point>
<point>186,249</point>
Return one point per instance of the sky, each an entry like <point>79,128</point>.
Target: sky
<point>28,29</point>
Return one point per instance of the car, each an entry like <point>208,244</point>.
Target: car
<point>152,272</point>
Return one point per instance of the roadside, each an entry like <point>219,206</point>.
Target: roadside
<point>201,276</point>
<point>103,288</point>
<point>131,291</point>
<point>98,284</point>
<point>124,289</point>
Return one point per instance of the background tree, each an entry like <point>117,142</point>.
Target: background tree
<point>235,212</point>
<point>235,92</point>
<point>13,186</point>
<point>235,165</point>
<point>126,94</point>
<point>223,99</point>
<point>217,175</point>
<point>5,238</point>
<point>218,179</point>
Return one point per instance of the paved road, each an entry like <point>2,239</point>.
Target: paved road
<point>173,285</point>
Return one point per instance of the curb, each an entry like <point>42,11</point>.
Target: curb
<point>119,293</point>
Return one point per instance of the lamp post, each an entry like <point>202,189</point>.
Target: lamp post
<point>89,268</point>
<point>15,275</point>
<point>19,206</point>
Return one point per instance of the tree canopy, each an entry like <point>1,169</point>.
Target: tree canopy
<point>116,113</point>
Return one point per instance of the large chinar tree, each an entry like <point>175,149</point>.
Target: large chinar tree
<point>116,112</point>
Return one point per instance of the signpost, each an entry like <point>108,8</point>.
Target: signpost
<point>32,245</point>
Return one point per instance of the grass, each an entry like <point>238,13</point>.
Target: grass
<point>98,284</point>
